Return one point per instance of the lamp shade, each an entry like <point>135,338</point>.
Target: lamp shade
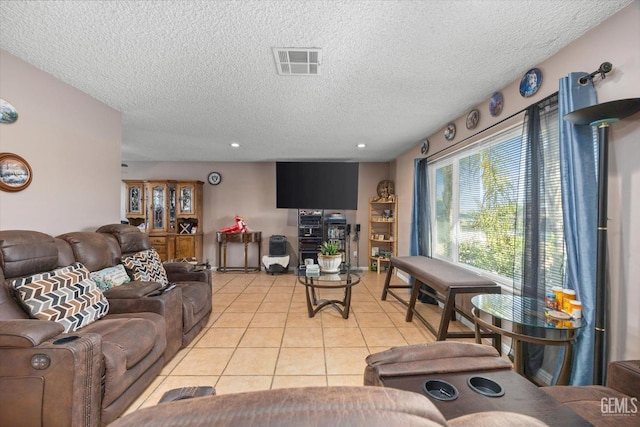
<point>607,111</point>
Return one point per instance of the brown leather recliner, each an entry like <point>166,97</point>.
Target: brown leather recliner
<point>432,358</point>
<point>84,378</point>
<point>195,284</point>
<point>617,403</point>
<point>313,406</point>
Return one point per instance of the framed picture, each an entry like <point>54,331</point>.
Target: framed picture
<point>15,172</point>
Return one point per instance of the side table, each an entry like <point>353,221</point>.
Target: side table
<point>238,237</point>
<point>524,315</point>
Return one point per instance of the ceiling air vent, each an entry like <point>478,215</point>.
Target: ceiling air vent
<point>297,61</point>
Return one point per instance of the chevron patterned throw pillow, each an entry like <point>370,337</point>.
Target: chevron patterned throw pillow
<point>66,295</point>
<point>146,266</point>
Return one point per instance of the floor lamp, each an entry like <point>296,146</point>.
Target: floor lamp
<point>602,116</point>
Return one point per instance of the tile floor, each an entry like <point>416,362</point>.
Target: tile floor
<point>261,337</point>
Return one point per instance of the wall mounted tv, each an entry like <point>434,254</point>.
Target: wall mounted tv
<point>317,185</point>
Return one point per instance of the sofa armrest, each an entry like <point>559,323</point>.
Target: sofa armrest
<point>24,333</point>
<point>185,272</point>
<point>624,376</point>
<point>58,383</point>
<point>432,358</point>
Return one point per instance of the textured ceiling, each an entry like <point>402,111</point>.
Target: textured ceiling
<point>191,77</point>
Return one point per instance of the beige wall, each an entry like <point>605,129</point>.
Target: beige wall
<point>249,190</point>
<point>617,40</point>
<point>72,143</point>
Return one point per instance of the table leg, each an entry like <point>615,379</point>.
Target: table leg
<point>225,257</point>
<point>565,369</point>
<point>347,302</point>
<point>308,290</point>
<point>246,259</point>
<point>412,301</point>
<point>474,311</point>
<point>387,280</point>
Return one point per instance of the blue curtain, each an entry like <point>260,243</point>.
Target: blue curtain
<point>420,243</point>
<point>536,208</point>
<point>578,170</point>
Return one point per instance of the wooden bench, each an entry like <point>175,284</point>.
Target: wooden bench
<point>447,280</point>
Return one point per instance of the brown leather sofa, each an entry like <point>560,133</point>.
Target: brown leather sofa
<point>617,403</point>
<point>194,283</point>
<point>92,378</point>
<point>313,406</point>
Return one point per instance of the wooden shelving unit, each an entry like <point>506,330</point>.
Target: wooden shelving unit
<point>383,232</point>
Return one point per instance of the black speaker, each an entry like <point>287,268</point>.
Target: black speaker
<point>277,245</point>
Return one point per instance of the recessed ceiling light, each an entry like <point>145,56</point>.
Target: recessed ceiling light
<point>235,145</point>
<point>361,145</point>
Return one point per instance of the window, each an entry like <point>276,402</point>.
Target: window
<point>480,205</point>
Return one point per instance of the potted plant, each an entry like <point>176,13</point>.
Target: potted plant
<point>329,259</point>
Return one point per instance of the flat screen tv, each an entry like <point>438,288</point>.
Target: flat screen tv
<point>317,185</point>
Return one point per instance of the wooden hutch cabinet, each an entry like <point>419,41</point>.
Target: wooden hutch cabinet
<point>171,212</point>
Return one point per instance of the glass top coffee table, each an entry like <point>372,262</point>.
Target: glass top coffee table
<point>326,281</point>
<point>526,320</point>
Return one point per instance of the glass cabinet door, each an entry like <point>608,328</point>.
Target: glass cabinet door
<point>172,208</point>
<point>158,211</point>
<point>135,199</point>
<point>186,199</point>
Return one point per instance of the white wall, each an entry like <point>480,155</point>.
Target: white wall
<point>72,143</point>
<point>616,40</point>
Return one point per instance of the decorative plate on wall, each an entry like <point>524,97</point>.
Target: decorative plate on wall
<point>8,113</point>
<point>15,172</point>
<point>472,119</point>
<point>530,82</point>
<point>450,132</point>
<point>424,148</point>
<point>495,104</point>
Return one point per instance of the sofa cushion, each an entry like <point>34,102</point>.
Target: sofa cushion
<point>66,295</point>
<point>110,277</point>
<point>146,266</point>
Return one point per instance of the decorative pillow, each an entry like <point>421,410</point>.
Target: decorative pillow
<point>146,266</point>
<point>110,277</point>
<point>66,295</point>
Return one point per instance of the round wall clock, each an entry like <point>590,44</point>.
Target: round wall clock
<point>424,149</point>
<point>214,178</point>
<point>450,132</point>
